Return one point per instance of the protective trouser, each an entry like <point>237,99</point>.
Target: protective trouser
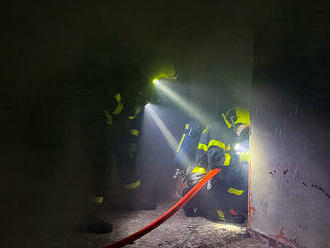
<point>230,199</point>
<point>97,146</point>
<point>103,144</point>
<point>219,202</point>
<point>125,136</point>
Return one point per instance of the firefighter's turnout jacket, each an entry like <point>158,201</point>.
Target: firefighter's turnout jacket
<point>214,146</point>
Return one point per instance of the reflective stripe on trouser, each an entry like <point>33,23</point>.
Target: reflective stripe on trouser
<point>133,185</point>
<point>134,132</point>
<point>220,214</point>
<point>127,166</point>
<point>235,191</point>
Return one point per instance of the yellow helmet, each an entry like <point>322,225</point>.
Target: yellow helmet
<point>160,68</point>
<point>236,116</point>
<point>166,73</point>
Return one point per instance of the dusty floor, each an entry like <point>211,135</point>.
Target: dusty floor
<point>178,231</point>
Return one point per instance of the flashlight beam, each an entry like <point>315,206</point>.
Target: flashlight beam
<point>166,133</point>
<point>187,106</point>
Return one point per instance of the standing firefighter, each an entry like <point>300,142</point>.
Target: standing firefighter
<point>114,90</point>
<point>224,198</point>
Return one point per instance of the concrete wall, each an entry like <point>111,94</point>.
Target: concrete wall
<point>289,176</point>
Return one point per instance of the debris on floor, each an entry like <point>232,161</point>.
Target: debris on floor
<point>178,231</point>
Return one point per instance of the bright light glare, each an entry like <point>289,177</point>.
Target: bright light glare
<point>155,81</point>
<point>187,106</point>
<point>242,147</point>
<point>147,105</point>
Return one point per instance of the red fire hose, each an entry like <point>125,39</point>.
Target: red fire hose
<point>130,239</point>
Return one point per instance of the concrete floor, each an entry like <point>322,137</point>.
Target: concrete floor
<point>178,231</point>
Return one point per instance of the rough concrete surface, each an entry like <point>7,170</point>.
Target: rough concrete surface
<point>178,231</point>
<point>290,186</point>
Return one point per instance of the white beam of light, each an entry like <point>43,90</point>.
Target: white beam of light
<point>164,130</point>
<point>166,133</point>
<point>187,106</point>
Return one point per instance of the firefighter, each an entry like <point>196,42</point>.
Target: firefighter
<point>224,198</point>
<point>112,131</point>
<point>115,90</point>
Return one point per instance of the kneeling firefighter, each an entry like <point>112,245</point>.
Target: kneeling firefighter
<point>111,119</point>
<point>225,198</point>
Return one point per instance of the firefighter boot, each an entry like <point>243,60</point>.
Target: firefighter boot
<point>233,216</point>
<point>230,216</point>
